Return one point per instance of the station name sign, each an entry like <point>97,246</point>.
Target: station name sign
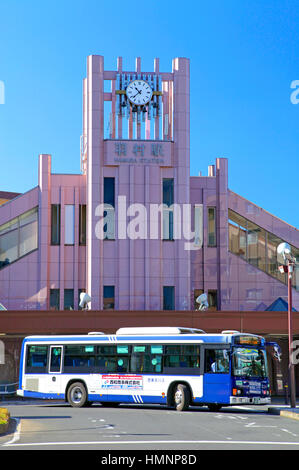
<point>138,152</point>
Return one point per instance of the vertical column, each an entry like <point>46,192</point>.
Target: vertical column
<point>146,241</point>
<point>120,120</point>
<point>76,248</point>
<point>182,172</point>
<point>95,120</point>
<point>222,229</point>
<point>138,117</point>
<point>157,118</point>
<point>131,243</point>
<point>62,248</point>
<point>84,136</point>
<point>44,177</point>
<point>113,109</point>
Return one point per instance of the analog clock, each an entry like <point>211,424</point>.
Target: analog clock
<point>139,92</point>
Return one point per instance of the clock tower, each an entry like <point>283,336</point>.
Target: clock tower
<point>135,152</point>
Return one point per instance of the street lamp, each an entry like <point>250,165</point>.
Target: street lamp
<point>284,255</point>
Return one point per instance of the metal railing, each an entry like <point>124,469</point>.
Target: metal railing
<point>8,389</point>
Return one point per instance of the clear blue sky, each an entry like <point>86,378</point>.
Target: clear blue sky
<point>244,56</point>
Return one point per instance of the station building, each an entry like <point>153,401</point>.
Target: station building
<point>133,229</point>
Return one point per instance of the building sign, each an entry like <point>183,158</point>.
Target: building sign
<point>138,152</point>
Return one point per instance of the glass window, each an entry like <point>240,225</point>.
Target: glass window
<point>109,206</point>
<point>217,361</point>
<point>79,358</point>
<point>55,359</point>
<point>168,201</point>
<point>168,298</point>
<point>257,246</point>
<point>54,299</point>
<point>182,359</point>
<point>68,299</point>
<point>82,224</point>
<point>113,358</point>
<point>28,238</point>
<point>108,298</point>
<point>55,224</point>
<point>211,226</point>
<point>249,362</point>
<point>36,359</point>
<point>146,359</point>
<point>18,237</point>
<point>69,224</point>
<point>109,191</point>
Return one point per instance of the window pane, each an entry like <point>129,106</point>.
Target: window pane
<point>55,361</point>
<point>79,358</point>
<point>8,247</point>
<point>54,299</point>
<point>109,191</point>
<point>108,298</point>
<point>37,357</point>
<point>168,298</point>
<point>18,237</point>
<point>69,224</point>
<point>82,224</point>
<point>55,224</point>
<point>168,191</point>
<point>212,226</point>
<point>28,238</point>
<point>28,217</point>
<point>217,361</point>
<point>257,246</point>
<point>68,299</point>
<point>168,200</point>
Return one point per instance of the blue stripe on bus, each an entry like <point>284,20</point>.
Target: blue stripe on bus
<point>205,339</point>
<point>134,398</point>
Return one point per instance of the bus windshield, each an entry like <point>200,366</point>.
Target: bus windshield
<point>249,362</point>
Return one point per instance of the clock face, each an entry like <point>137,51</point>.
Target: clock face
<point>139,92</point>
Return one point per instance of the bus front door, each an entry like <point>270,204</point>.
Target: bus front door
<point>54,375</point>
<point>217,383</point>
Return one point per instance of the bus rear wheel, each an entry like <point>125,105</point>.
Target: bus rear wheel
<point>77,395</point>
<point>181,397</point>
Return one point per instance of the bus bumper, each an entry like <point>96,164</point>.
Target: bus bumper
<point>250,400</point>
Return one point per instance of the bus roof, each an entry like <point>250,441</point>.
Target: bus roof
<point>156,334</point>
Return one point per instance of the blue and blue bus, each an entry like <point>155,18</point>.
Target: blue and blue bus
<point>177,367</point>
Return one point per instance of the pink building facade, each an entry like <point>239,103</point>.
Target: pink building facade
<point>133,229</point>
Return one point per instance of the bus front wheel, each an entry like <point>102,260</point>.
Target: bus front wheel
<point>77,395</point>
<point>181,397</point>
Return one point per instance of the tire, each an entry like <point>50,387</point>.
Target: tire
<point>214,407</point>
<point>77,395</point>
<point>181,397</point>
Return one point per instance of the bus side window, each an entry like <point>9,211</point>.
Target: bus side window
<point>36,360</point>
<point>217,361</point>
<point>146,359</point>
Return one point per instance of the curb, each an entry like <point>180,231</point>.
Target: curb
<point>285,413</point>
<point>289,414</point>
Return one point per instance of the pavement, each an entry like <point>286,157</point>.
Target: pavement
<point>278,405</point>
